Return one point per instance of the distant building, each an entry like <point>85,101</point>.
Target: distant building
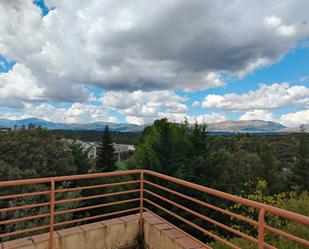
<point>92,147</point>
<point>4,129</point>
<point>122,149</point>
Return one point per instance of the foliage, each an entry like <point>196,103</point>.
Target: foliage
<point>42,210</point>
<point>292,201</point>
<point>300,171</point>
<point>179,151</point>
<point>252,166</point>
<point>265,168</point>
<point>95,136</point>
<point>35,153</point>
<point>80,157</point>
<point>30,153</point>
<point>106,154</point>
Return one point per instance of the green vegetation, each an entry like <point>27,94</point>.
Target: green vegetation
<point>96,136</point>
<point>106,161</point>
<point>80,157</point>
<point>292,201</point>
<point>34,153</point>
<point>268,168</point>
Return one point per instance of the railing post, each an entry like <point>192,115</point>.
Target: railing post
<point>52,211</point>
<point>141,220</point>
<point>261,228</point>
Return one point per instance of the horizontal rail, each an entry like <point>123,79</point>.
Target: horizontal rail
<point>172,225</point>
<point>107,185</point>
<point>96,217</point>
<point>192,224</point>
<point>205,204</point>
<point>67,178</point>
<point>24,219</point>
<point>42,204</point>
<point>276,211</point>
<point>96,206</point>
<point>216,223</point>
<point>29,230</point>
<point>97,196</point>
<point>287,235</point>
<point>141,190</point>
<point>24,195</point>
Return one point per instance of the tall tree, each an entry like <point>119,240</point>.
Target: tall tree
<point>80,156</point>
<point>300,172</point>
<point>36,153</point>
<point>106,154</point>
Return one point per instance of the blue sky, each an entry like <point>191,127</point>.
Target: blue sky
<point>129,62</point>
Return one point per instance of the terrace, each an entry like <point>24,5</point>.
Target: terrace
<point>145,212</point>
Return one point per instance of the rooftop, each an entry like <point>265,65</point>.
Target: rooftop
<point>141,205</point>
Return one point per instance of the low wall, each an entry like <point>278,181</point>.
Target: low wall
<point>158,234</point>
<point>118,233</point>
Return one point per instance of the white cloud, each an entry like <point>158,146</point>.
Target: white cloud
<point>287,30</point>
<point>252,65</point>
<point>266,97</point>
<point>115,45</point>
<point>76,113</point>
<point>141,107</point>
<point>275,22</point>
<point>196,104</point>
<point>272,21</point>
<point>204,118</point>
<point>82,113</point>
<point>19,85</point>
<point>296,118</point>
<point>258,115</point>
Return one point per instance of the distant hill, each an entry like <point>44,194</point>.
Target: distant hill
<point>97,126</point>
<point>294,129</point>
<point>3,127</point>
<point>251,126</point>
<point>243,126</point>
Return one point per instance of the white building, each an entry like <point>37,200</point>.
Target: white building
<point>92,148</point>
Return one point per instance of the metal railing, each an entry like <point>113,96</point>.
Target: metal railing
<point>146,180</point>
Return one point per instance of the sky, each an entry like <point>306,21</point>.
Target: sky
<point>133,61</point>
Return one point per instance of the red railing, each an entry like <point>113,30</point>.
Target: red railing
<point>145,179</point>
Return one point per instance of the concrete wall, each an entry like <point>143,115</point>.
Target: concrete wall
<point>158,234</point>
<point>119,233</point>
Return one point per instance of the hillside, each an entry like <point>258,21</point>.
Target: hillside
<point>243,126</point>
<point>97,126</point>
<point>246,126</point>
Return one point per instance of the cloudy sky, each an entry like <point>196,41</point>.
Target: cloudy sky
<point>136,60</point>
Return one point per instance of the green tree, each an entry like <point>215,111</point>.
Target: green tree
<point>300,172</point>
<point>162,148</point>
<point>293,201</point>
<point>269,169</point>
<point>181,151</point>
<point>29,153</point>
<point>36,153</point>
<point>106,154</point>
<point>80,157</point>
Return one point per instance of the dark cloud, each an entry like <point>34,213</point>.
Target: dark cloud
<point>130,45</point>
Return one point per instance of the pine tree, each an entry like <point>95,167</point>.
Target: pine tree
<point>80,157</point>
<point>106,153</point>
<point>300,172</point>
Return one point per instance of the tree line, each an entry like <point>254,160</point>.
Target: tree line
<point>272,169</point>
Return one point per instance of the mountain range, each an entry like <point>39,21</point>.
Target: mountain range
<point>63,126</point>
<point>250,126</point>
